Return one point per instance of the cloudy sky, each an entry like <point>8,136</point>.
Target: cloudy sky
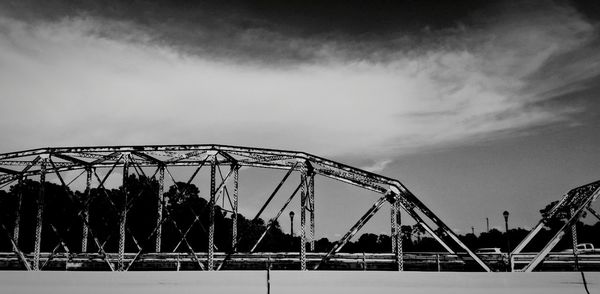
<point>478,107</point>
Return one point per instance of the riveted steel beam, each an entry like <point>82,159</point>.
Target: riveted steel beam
<point>274,219</point>
<point>110,157</point>
<point>594,212</point>
<point>274,192</point>
<point>161,204</point>
<point>359,224</point>
<point>123,215</point>
<point>211,224</point>
<point>575,198</point>
<point>9,171</point>
<point>561,232</point>
<point>40,217</point>
<point>86,210</point>
<point>234,215</point>
<point>71,159</point>
<point>303,196</point>
<point>17,224</point>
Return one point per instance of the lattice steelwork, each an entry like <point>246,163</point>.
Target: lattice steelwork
<point>574,203</point>
<point>224,162</point>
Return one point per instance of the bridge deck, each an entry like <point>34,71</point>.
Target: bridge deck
<point>249,282</point>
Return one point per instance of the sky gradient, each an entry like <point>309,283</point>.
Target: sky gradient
<point>476,107</point>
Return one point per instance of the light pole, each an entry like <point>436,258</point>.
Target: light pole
<point>505,214</point>
<point>292,223</point>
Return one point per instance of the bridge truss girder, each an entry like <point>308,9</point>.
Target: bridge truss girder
<point>16,166</point>
<point>575,203</point>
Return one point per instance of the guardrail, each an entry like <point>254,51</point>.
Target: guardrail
<point>413,261</point>
<point>559,261</point>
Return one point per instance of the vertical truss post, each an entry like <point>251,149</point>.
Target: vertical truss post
<point>575,215</point>
<point>397,235</point>
<point>399,248</point>
<point>574,239</point>
<point>17,224</point>
<point>86,210</point>
<point>393,224</point>
<point>234,216</point>
<point>303,221</point>
<point>311,195</point>
<point>123,218</point>
<point>161,203</point>
<point>211,226</point>
<point>40,214</point>
<point>571,199</point>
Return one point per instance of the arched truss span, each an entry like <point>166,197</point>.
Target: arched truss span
<point>16,166</point>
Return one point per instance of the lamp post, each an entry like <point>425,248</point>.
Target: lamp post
<point>505,214</point>
<point>292,223</point>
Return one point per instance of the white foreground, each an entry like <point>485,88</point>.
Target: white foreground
<point>247,282</point>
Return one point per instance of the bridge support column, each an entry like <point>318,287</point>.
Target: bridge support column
<point>311,195</point>
<point>574,239</point>
<point>303,196</point>
<point>86,210</point>
<point>399,248</point>
<point>161,203</point>
<point>123,218</point>
<point>17,225</point>
<point>40,214</point>
<point>396,234</point>
<point>393,225</point>
<point>234,216</point>
<point>211,224</point>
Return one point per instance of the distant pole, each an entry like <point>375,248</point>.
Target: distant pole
<point>292,223</point>
<point>473,231</point>
<point>505,214</point>
<point>487,224</point>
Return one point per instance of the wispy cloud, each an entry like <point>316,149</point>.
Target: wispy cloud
<point>377,166</point>
<point>84,80</point>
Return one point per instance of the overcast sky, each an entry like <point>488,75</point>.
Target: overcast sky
<point>477,107</point>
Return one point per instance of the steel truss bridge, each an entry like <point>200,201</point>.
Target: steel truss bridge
<point>96,164</point>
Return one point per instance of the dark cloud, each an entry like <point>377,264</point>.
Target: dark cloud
<point>275,31</point>
<point>588,8</point>
<point>287,32</point>
<point>306,17</point>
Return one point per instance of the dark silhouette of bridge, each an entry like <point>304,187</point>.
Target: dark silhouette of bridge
<point>136,250</point>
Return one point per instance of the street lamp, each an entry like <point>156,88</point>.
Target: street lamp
<point>505,214</point>
<point>292,223</point>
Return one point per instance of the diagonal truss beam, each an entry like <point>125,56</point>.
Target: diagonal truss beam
<point>110,157</point>
<point>575,198</point>
<point>416,204</point>
<point>359,224</point>
<point>275,191</point>
<point>274,219</point>
<point>561,232</point>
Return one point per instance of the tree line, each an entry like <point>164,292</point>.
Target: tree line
<point>187,214</point>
